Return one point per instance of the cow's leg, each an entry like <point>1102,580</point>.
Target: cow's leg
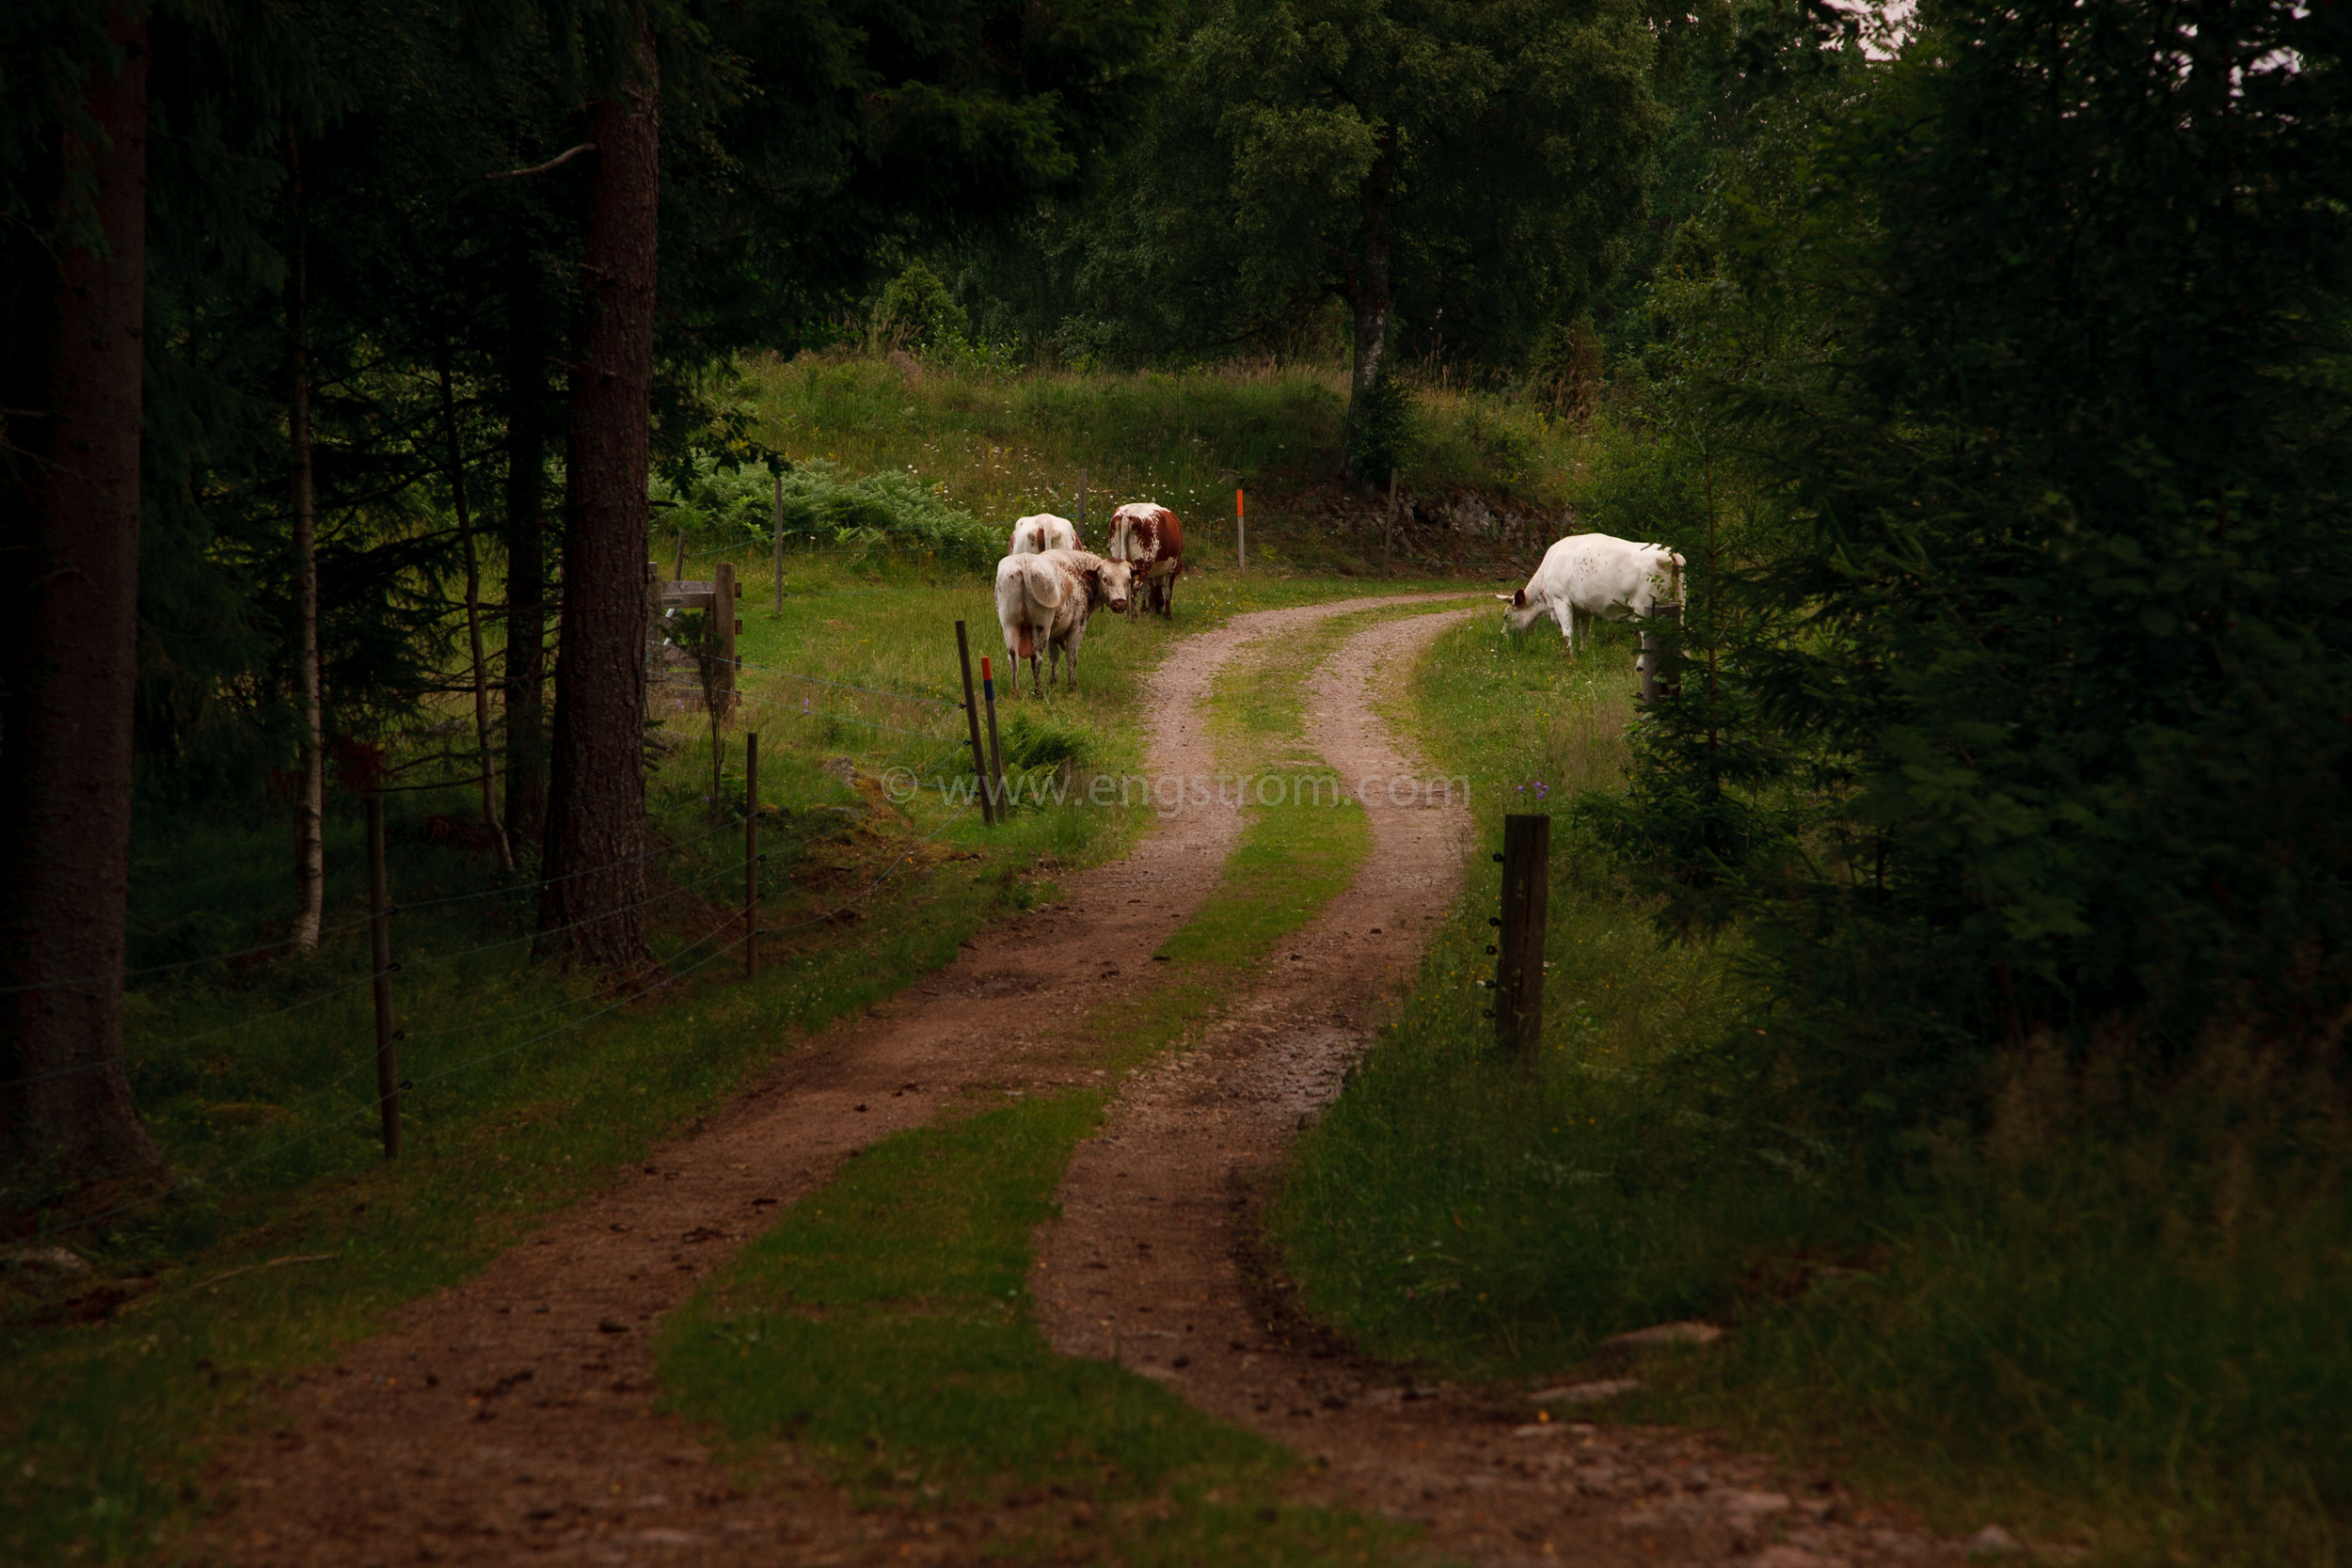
<point>1566,617</point>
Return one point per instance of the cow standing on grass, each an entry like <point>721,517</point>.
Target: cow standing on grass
<point>1042,602</point>
<point>1594,575</point>
<point>1149,539</point>
<point>1042,532</point>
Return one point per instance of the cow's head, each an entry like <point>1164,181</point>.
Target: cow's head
<point>1111,583</point>
<point>1665,579</point>
<point>1520,613</point>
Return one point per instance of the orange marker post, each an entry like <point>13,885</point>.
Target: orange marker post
<point>1241,533</point>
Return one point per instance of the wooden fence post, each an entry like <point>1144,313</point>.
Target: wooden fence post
<point>972,721</point>
<point>778,527</point>
<point>1082,506</point>
<point>995,753</point>
<point>1388,531</point>
<point>380,941</point>
<point>726,626</point>
<point>1526,898</point>
<point>751,856</point>
<point>679,574</point>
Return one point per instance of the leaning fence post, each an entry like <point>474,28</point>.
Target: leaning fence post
<point>972,721</point>
<point>995,753</point>
<point>1082,506</point>
<point>1519,965</point>
<point>678,573</point>
<point>380,940</point>
<point>751,856</point>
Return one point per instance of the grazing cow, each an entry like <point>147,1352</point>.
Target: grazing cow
<point>1043,601</point>
<point>1149,539</point>
<point>1594,575</point>
<point>1044,532</point>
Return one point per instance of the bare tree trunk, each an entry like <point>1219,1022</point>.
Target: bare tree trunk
<point>526,671</point>
<point>71,495</point>
<point>310,809</point>
<point>591,912</point>
<point>1368,278</point>
<point>473,611</point>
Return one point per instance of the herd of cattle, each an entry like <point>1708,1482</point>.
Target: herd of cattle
<point>1048,584</point>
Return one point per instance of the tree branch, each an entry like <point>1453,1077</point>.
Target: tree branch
<point>556,162</point>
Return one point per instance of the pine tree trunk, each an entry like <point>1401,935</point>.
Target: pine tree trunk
<point>1368,290</point>
<point>310,807</point>
<point>591,906</point>
<point>488,778</point>
<point>526,673</point>
<point>71,644</point>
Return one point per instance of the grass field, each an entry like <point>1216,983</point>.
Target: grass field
<point>1006,446</point>
<point>2111,1319</point>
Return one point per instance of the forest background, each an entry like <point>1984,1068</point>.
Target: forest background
<point>1987,364</point>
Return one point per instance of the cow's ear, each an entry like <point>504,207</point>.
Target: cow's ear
<point>1518,600</point>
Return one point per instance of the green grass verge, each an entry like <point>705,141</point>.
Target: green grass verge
<point>2111,1319</point>
<point>884,1323</point>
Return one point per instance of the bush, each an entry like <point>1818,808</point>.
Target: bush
<point>889,509</point>
<point>1380,430</point>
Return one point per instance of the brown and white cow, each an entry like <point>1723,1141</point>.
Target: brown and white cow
<point>1151,540</point>
<point>1043,532</point>
<point>1042,602</point>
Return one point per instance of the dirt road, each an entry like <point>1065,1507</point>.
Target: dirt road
<point>514,1416</point>
<point>1157,1263</point>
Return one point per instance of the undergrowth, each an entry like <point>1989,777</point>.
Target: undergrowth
<point>2108,1318</point>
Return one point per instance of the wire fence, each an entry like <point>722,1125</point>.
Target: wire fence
<point>540,884</point>
<point>370,1107</point>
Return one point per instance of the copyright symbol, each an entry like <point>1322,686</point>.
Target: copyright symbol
<point>900,785</point>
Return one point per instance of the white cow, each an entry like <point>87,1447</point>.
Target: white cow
<point>1044,532</point>
<point>1042,602</point>
<point>1594,575</point>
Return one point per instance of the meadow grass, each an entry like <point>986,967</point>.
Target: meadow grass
<point>1003,445</point>
<point>530,1086</point>
<point>886,1326</point>
<point>2110,1319</point>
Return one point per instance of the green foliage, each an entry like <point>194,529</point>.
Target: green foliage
<point>890,509</point>
<point>916,310</point>
<point>1380,430</point>
<point>2038,667</point>
<point>1508,143</point>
